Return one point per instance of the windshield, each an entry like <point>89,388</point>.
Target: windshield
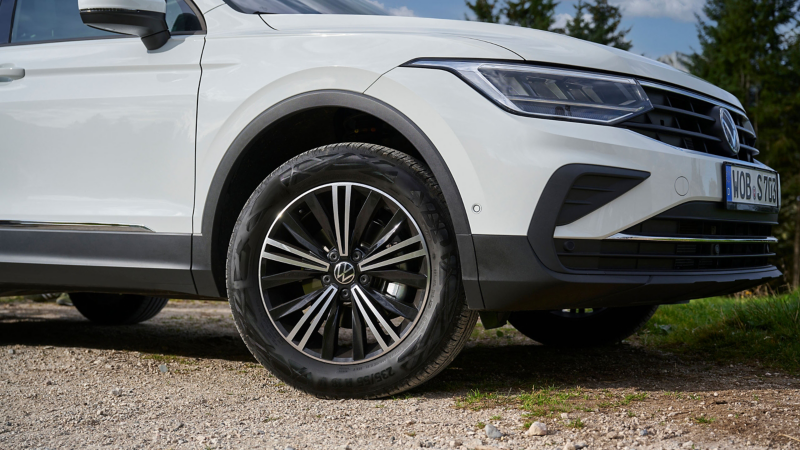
<point>361,7</point>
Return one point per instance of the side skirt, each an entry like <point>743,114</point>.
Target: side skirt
<point>36,260</point>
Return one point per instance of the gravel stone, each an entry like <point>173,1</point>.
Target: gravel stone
<point>537,429</point>
<point>163,368</point>
<point>492,432</point>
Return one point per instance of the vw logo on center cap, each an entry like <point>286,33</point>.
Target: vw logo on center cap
<point>344,273</point>
<point>729,130</point>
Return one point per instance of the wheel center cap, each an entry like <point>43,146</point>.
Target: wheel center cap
<point>344,273</point>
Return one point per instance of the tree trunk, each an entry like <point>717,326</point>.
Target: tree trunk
<point>796,274</point>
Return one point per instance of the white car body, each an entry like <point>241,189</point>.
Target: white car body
<point>105,134</point>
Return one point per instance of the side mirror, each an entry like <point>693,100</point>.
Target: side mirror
<point>144,18</point>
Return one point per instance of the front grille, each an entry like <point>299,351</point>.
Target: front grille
<point>683,239</point>
<point>687,121</point>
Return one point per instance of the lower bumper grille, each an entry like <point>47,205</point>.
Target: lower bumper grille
<point>695,237</point>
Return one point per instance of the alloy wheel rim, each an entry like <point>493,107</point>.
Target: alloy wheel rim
<point>344,273</point>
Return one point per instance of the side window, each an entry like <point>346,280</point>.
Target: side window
<point>181,19</point>
<point>49,20</point>
<point>6,9</point>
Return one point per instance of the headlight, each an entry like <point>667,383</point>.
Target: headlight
<point>551,93</point>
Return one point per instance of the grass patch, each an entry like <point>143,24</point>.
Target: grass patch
<point>703,420</point>
<point>547,401</point>
<point>742,330</point>
<point>476,400</point>
<point>576,424</point>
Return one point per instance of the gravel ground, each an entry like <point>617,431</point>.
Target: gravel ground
<point>185,380</point>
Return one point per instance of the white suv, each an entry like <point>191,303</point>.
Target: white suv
<point>358,185</point>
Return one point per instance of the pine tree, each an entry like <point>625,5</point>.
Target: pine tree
<point>484,10</point>
<point>603,28</point>
<point>579,27</point>
<point>537,14</point>
<point>750,48</point>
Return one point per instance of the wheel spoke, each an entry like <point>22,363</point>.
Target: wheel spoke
<point>298,231</point>
<point>382,320</point>
<point>315,323</point>
<point>345,231</point>
<point>389,230</point>
<point>393,261</point>
<point>330,336</point>
<point>279,312</point>
<point>328,294</point>
<point>415,280</point>
<point>319,213</point>
<point>364,216</point>
<point>393,306</point>
<point>292,261</point>
<point>391,250</point>
<point>280,279</point>
<point>298,252</point>
<point>373,328</point>
<point>359,335</point>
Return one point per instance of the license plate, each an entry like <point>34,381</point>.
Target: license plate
<point>752,189</point>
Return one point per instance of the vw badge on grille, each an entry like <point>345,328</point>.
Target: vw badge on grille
<point>730,131</point>
<point>344,273</point>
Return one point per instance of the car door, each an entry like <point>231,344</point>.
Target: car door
<point>95,128</point>
<point>97,152</point>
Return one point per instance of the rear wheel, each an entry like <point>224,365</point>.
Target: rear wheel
<point>582,327</point>
<point>110,309</point>
<point>343,274</point>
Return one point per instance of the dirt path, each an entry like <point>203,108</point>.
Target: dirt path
<point>65,383</point>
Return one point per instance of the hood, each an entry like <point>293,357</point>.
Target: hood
<point>531,45</point>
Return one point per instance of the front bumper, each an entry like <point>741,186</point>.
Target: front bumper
<point>502,165</point>
<point>512,278</point>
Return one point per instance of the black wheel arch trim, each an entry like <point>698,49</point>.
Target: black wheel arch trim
<point>208,283</point>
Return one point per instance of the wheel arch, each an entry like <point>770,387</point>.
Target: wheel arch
<point>210,249</point>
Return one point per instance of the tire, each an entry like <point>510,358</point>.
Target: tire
<point>110,309</point>
<point>582,328</point>
<point>302,329</point>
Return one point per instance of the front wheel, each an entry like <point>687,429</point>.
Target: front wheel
<point>343,274</point>
<point>582,327</point>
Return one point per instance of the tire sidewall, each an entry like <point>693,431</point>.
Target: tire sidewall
<point>356,164</point>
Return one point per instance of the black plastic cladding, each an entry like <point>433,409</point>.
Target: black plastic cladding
<point>550,211</point>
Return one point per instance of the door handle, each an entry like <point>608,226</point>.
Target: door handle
<point>11,73</point>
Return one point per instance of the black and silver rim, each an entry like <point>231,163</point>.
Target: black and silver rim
<point>344,273</point>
